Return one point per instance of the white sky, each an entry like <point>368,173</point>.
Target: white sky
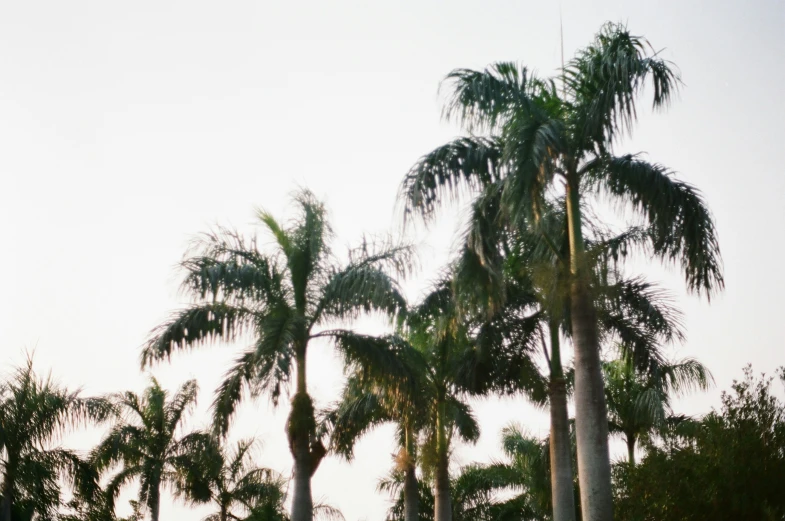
<point>128,127</point>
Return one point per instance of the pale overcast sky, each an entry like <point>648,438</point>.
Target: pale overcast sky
<point>128,127</point>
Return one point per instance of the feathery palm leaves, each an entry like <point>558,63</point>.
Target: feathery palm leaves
<point>236,484</point>
<point>540,137</point>
<point>34,413</point>
<point>284,300</point>
<point>147,445</point>
<point>639,403</point>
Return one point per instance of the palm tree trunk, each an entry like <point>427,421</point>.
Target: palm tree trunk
<point>442,499</point>
<point>411,493</point>
<point>302,501</point>
<point>155,502</point>
<point>300,429</point>
<point>562,493</point>
<point>591,419</point>
<point>411,496</point>
<point>631,449</point>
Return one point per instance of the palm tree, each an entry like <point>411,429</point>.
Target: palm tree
<point>541,140</point>
<point>639,403</point>
<point>483,492</point>
<point>285,300</point>
<point>34,413</point>
<point>437,329</point>
<point>525,474</point>
<point>429,409</point>
<point>365,405</point>
<point>147,442</point>
<point>518,277</point>
<point>236,482</point>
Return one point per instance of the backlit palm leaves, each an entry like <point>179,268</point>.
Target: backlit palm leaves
<point>147,445</point>
<point>283,300</point>
<point>543,139</point>
<point>34,413</point>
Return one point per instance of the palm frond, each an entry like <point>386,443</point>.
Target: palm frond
<point>381,358</point>
<point>195,326</point>
<point>605,79</point>
<point>681,225</point>
<point>459,167</point>
<point>182,402</point>
<point>224,265</point>
<point>685,376</point>
<point>259,369</point>
<point>327,512</point>
<point>463,420</point>
<point>358,412</point>
<point>358,289</point>
<point>481,99</point>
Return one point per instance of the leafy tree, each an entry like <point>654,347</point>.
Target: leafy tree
<point>639,404</point>
<point>285,300</point>
<point>728,466</point>
<point>368,404</point>
<point>437,329</point>
<point>34,412</point>
<point>540,138</point>
<point>520,279</point>
<point>501,491</point>
<point>235,482</point>
<point>147,443</point>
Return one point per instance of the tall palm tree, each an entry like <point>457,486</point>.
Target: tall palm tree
<point>542,138</point>
<point>518,276</point>
<point>285,300</point>
<point>236,482</point>
<point>429,409</point>
<point>444,338</point>
<point>639,402</point>
<point>34,413</point>
<point>365,405</point>
<point>147,443</point>
<point>482,492</point>
<point>525,474</point>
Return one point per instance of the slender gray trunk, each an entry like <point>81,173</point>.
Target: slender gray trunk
<point>302,501</point>
<point>411,492</point>
<point>591,419</point>
<point>562,492</point>
<point>155,503</point>
<point>300,429</point>
<point>442,499</point>
<point>411,495</point>
<point>631,449</point>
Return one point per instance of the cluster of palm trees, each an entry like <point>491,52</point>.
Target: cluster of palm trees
<point>537,271</point>
<point>145,444</point>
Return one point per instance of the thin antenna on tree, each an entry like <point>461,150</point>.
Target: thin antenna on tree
<point>563,79</point>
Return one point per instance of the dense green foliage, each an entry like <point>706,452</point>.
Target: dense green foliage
<point>730,465</point>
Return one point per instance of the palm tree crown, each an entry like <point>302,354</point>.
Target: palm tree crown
<point>239,488</point>
<point>34,412</point>
<point>147,443</point>
<point>639,402</point>
<point>543,141</point>
<point>285,300</point>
